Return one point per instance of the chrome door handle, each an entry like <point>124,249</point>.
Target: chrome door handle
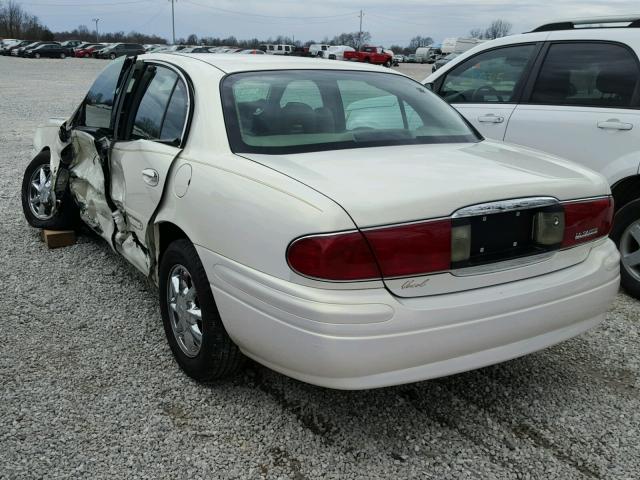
<point>150,176</point>
<point>615,124</point>
<point>491,118</point>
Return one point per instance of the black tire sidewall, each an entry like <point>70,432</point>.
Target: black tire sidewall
<point>625,217</point>
<point>66,216</point>
<point>213,354</point>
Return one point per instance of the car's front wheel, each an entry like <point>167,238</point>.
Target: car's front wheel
<point>63,56</point>
<point>112,56</point>
<point>192,323</point>
<point>39,203</point>
<point>626,234</point>
<point>36,55</point>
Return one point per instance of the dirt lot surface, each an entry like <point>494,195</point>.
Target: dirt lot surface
<point>89,388</point>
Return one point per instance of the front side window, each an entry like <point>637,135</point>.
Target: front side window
<point>98,104</point>
<point>490,77</point>
<point>162,111</point>
<point>293,111</point>
<point>593,74</point>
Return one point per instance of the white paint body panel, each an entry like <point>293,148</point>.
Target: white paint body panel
<point>567,131</point>
<point>323,336</point>
<point>242,213</point>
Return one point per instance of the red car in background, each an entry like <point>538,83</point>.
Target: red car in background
<point>86,51</point>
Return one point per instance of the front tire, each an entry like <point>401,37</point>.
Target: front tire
<point>36,55</point>
<point>192,324</point>
<point>39,204</point>
<point>112,56</point>
<point>62,56</point>
<point>626,235</point>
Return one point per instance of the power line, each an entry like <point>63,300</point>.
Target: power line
<point>299,17</point>
<point>86,5</point>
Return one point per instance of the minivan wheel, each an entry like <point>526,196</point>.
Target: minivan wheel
<point>626,235</point>
<point>39,203</point>
<point>112,56</point>
<point>192,324</point>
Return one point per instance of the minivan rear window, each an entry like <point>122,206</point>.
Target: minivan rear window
<point>294,111</point>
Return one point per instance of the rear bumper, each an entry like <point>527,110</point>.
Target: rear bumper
<point>357,339</point>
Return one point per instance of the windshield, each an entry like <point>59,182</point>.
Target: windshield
<point>293,111</point>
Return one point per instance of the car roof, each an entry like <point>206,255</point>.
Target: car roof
<point>231,63</point>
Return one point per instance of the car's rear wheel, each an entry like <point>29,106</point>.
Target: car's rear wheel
<point>36,55</point>
<point>192,324</point>
<point>86,55</point>
<point>39,203</point>
<point>626,234</point>
<point>63,56</point>
<point>112,56</point>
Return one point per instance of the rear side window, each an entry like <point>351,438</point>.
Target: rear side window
<point>490,77</point>
<point>588,74</point>
<point>162,111</point>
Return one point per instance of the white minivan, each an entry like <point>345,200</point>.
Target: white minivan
<point>570,88</point>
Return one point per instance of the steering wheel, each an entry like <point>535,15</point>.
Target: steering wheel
<point>482,92</point>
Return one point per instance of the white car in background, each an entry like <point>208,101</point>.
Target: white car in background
<point>570,88</point>
<point>336,222</point>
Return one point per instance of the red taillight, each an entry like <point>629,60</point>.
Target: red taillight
<point>340,256</point>
<point>587,220</point>
<point>413,249</point>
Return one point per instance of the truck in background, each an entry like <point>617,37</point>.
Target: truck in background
<point>370,54</point>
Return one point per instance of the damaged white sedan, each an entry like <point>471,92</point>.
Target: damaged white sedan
<point>335,222</point>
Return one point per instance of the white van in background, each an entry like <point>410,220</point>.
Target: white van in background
<point>459,44</point>
<point>336,52</point>
<point>317,49</point>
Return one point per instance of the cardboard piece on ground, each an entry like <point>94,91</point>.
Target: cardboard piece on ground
<point>58,238</point>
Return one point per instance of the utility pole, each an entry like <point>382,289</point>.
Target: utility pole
<point>96,20</point>
<point>360,33</point>
<point>173,22</point>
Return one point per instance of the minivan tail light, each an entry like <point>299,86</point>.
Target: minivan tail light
<point>587,220</point>
<point>339,257</point>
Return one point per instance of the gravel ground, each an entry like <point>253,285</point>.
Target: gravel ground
<point>90,389</point>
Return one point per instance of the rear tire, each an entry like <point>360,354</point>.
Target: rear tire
<point>36,55</point>
<point>42,211</point>
<point>112,56</point>
<point>192,324</point>
<point>62,56</point>
<point>626,235</point>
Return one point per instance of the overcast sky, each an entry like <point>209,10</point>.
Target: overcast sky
<point>389,21</point>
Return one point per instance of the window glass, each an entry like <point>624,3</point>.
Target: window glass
<point>595,74</point>
<point>176,115</point>
<point>284,112</point>
<point>303,91</point>
<point>148,119</point>
<point>98,103</point>
<point>489,77</point>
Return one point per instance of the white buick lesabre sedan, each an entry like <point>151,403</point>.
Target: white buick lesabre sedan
<point>336,222</point>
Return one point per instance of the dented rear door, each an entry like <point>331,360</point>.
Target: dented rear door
<point>151,133</point>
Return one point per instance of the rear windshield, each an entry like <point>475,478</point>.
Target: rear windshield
<point>294,111</point>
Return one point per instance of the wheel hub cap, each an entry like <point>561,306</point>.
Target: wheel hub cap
<point>41,196</point>
<point>630,250</point>
<point>184,311</point>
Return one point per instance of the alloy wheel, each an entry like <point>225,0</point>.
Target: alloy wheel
<point>41,196</point>
<point>630,250</point>
<point>185,314</point>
